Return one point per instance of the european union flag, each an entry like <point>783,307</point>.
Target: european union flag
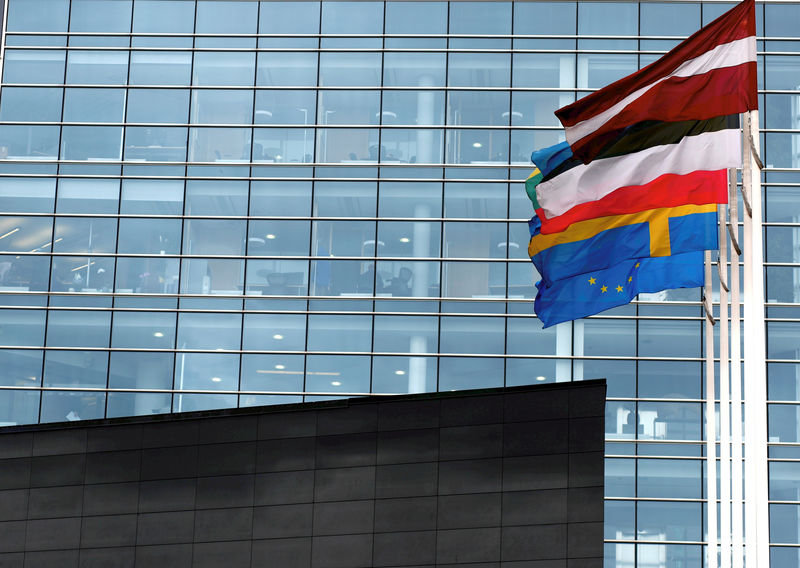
<point>587,294</point>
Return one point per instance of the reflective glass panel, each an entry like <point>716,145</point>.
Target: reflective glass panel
<point>288,18</point>
<point>161,105</point>
<point>97,67</point>
<point>22,66</point>
<point>94,105</point>
<point>30,104</point>
<point>223,68</point>
<point>160,68</point>
<point>226,18</point>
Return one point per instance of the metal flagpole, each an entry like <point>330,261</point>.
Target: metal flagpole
<point>724,398</point>
<point>737,528</point>
<point>711,429</point>
<point>755,388</point>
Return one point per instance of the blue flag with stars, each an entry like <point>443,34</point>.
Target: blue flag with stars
<point>587,294</point>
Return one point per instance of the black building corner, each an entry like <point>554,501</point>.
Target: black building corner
<point>489,478</point>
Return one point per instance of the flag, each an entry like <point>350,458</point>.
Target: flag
<point>597,244</point>
<point>711,73</point>
<point>651,166</point>
<point>587,294</point>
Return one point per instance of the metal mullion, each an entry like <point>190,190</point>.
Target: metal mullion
<point>119,211</point>
<point>53,225</point>
<point>247,221</point>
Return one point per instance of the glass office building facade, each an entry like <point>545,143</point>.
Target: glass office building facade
<point>211,204</point>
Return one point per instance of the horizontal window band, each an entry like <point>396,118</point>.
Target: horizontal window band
<point>579,90</point>
<point>341,49</point>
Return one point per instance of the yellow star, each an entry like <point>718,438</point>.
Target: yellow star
<point>619,288</point>
<point>630,278</point>
<point>603,289</point>
<point>592,280</point>
<point>636,265</point>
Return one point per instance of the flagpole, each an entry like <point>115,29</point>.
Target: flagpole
<point>737,528</point>
<point>711,430</point>
<point>724,397</point>
<point>756,504</point>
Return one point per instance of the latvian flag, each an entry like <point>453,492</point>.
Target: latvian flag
<point>649,168</point>
<point>711,73</point>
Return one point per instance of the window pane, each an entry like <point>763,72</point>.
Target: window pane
<point>38,15</point>
<point>479,70</point>
<point>149,236</point>
<point>160,16</point>
<point>94,105</point>
<point>100,16</point>
<point>220,68</point>
<point>350,69</point>
<point>222,107</point>
<point>30,104</point>
<point>205,371</point>
<point>26,195</point>
<point>91,143</point>
<point>209,331</point>
<point>279,332</point>
<point>457,373</point>
<point>26,234</point>
<point>161,105</point>
<point>339,333</point>
<point>226,18</point>
<point>273,198</point>
<point>87,196</point>
<point>70,406</point>
<point>287,69</point>
<point>670,478</point>
<point>284,277</point>
<point>211,276</point>
<point>155,144</point>
<point>29,142</point>
<point>157,275</point>
<point>22,66</point>
<point>283,373</point>
<point>403,374</point>
<point>160,68</point>
<point>219,144</point>
<point>97,67</point>
<point>285,107</point>
<point>152,197</point>
<point>143,330</point>
<point>288,18</point>
<point>414,69</point>
<point>332,373</point>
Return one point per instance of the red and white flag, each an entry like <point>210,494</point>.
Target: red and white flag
<point>712,73</point>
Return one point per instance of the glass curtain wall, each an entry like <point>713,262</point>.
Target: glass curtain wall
<point>211,204</point>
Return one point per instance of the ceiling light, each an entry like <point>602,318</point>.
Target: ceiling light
<point>158,334</point>
<point>477,145</point>
<point>399,372</point>
<point>405,240</point>
<point>11,232</point>
<point>216,379</point>
<point>541,378</point>
<point>277,336</point>
<point>280,366</point>
<point>270,236</point>
<point>336,383</point>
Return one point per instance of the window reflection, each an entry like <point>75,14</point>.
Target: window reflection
<point>82,274</point>
<point>97,67</point>
<point>147,275</point>
<point>28,142</point>
<point>45,66</point>
<point>30,104</point>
